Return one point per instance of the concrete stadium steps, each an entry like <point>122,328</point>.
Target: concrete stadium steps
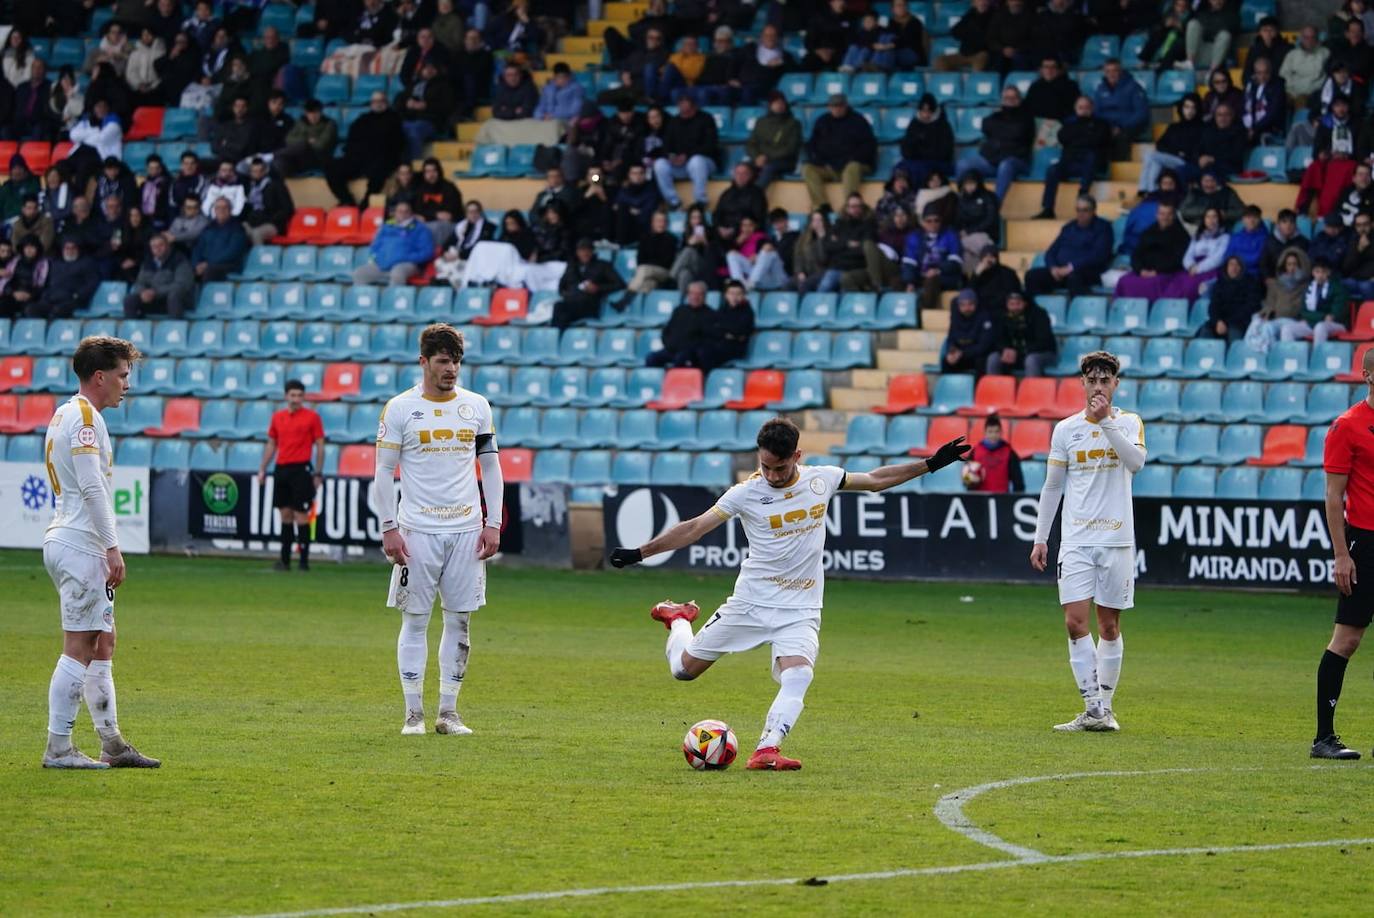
<point>582,44</point>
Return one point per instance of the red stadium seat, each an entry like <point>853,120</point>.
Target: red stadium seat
<point>517,465</point>
<point>8,148</point>
<point>940,432</point>
<point>507,304</point>
<point>38,154</point>
<point>1362,329</point>
<point>358,460</point>
<point>340,380</point>
<point>306,226</point>
<point>1283,443</point>
<point>178,416</point>
<point>1069,399</point>
<point>905,392</point>
<point>1356,373</point>
<point>425,277</point>
<point>9,411</point>
<point>760,388</point>
<point>992,395</point>
<point>33,414</point>
<point>146,123</point>
<point>15,373</point>
<point>368,222</point>
<point>1031,438</point>
<point>1034,396</point>
<point>61,150</point>
<point>340,223</point>
<point>681,387</point>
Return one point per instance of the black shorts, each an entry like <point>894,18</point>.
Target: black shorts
<point>293,486</point>
<point>1357,609</point>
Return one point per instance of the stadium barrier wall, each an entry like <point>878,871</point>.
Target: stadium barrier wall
<point>1179,541</point>
<point>28,498</point>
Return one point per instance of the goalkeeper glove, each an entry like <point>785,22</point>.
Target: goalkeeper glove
<point>624,557</point>
<point>953,451</point>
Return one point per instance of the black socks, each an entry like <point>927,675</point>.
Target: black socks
<point>1330,676</point>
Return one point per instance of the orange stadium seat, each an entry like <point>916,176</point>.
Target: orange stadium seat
<point>1069,399</point>
<point>38,154</point>
<point>34,413</point>
<point>368,222</point>
<point>1362,329</point>
<point>1283,443</point>
<point>340,223</point>
<point>517,464</point>
<point>358,460</point>
<point>1356,373</point>
<point>61,150</point>
<point>507,304</point>
<point>760,388</point>
<point>1033,397</point>
<point>681,387</point>
<point>9,411</point>
<point>1029,438</point>
<point>7,150</point>
<point>307,225</point>
<point>15,373</point>
<point>146,123</point>
<point>993,394</point>
<point>340,380</point>
<point>905,392</point>
<point>940,432</point>
<point>178,416</point>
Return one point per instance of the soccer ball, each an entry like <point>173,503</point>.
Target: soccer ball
<point>710,745</point>
<point>972,474</point>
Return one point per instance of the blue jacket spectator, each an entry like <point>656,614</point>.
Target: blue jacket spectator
<point>971,335</point>
<point>401,246</point>
<point>1247,242</point>
<point>1331,241</point>
<point>932,260</point>
<point>1120,101</point>
<point>222,247</point>
<point>562,96</point>
<point>1077,257</point>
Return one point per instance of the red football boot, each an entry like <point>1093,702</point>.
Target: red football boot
<point>769,759</point>
<point>668,611</point>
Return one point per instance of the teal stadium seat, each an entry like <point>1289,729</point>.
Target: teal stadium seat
<point>1280,484</point>
<point>604,386</point>
<point>1195,481</point>
<point>1153,481</point>
<point>566,385</point>
<point>952,391</point>
<point>1238,483</point>
<point>1158,399</point>
<point>671,469</point>
<point>717,429</point>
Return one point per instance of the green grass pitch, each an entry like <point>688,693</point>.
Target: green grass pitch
<point>273,700</point>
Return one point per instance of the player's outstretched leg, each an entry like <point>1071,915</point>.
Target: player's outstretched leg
<point>115,751</point>
<point>64,702</point>
<point>453,665</point>
<point>782,716</point>
<point>412,650</point>
<point>677,617</point>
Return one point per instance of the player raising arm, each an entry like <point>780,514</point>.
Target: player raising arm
<point>1093,457</point>
<point>778,595</point>
<point>81,553</point>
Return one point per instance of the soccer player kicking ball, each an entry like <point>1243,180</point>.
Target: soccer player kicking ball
<point>1349,463</point>
<point>778,595</point>
<point>1093,456</point>
<point>81,553</point>
<point>437,540</point>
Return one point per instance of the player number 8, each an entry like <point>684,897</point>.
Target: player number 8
<point>405,576</point>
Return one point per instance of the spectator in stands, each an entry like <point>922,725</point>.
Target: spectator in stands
<point>221,247</point>
<point>32,222</point>
<point>1157,261</point>
<point>21,185</point>
<point>309,143</point>
<point>972,32</point>
<point>437,201</point>
<point>1358,196</point>
<point>1011,36</point>
<point>1204,256</point>
<point>742,198</point>
<point>1325,304</point>
<point>618,138</point>
<point>1025,339</point>
<point>1284,236</point>
<point>226,185</point>
<point>515,32</point>
<point>894,225</point>
<point>1217,22</point>
<point>400,186</point>
<point>375,144</point>
<point>553,241</point>
<point>928,142</point>
<point>1333,160</point>
<point>1120,101</point>
<point>842,148</point>
<point>18,57</point>
<point>784,236</point>
<point>178,69</point>
<point>688,332</point>
<point>1221,92</point>
<point>762,63</point>
<point>1001,466</point>
<point>189,182</point>
<point>731,331</point>
<point>114,49</point>
<point>21,287</point>
<point>993,281</point>
<point>1006,148</point>
<point>587,281</point>
<point>1165,46</point>
<point>447,29</point>
<point>373,25</point>
<point>1120,17</point>
<point>399,251</point>
<point>690,146</point>
<point>114,178</point>
<point>654,259</point>
<point>71,282</point>
<point>202,24</point>
<point>717,82</point>
<point>141,73</point>
<point>775,141</point>
<point>1085,141</point>
<point>472,72</point>
<point>1211,192</point>
<point>932,260</point>
<point>1358,266</point>
<point>426,106</point>
<point>165,283</point>
<point>1265,111</point>
<point>165,19</point>
<point>152,197</point>
<point>1247,241</point>
<point>67,101</point>
<point>428,48</point>
<point>636,201</point>
<point>939,194</point>
<point>625,91</point>
<point>754,261</point>
<point>969,341</point>
<point>1304,67</point>
<point>1284,292</point>
<point>976,218</point>
<point>515,96</point>
<point>274,126</point>
<point>81,225</point>
<point>871,46</point>
<point>1331,243</point>
<point>269,206</point>
<point>1236,298</point>
<point>55,197</point>
<point>556,188</point>
<point>189,223</point>
<point>561,99</point>
<point>1054,92</point>
<point>1058,30</point>
<point>235,139</point>
<point>1339,84</point>
<point>690,263</point>
<point>124,240</point>
<point>1270,46</point>
<point>32,117</point>
<point>1178,148</point>
<point>811,256</point>
<point>853,253</point>
<point>264,64</point>
<point>1079,254</point>
<point>1352,49</point>
<point>95,138</point>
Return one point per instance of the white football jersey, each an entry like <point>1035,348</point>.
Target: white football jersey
<point>76,429</point>
<point>1097,487</point>
<point>437,439</point>
<point>786,532</point>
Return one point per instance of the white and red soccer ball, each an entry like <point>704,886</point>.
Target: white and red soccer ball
<point>972,474</point>
<point>710,745</point>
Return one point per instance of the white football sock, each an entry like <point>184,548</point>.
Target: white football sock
<point>787,707</point>
<point>64,696</point>
<point>1108,668</point>
<point>679,636</point>
<point>412,650</point>
<point>100,699</point>
<point>1083,662</point>
<point>453,658</point>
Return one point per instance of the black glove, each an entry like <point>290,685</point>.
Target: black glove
<point>953,451</point>
<point>624,557</point>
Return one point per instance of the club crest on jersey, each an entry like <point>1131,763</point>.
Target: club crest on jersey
<point>817,486</point>
<point>381,430</point>
<point>466,413</point>
<point>86,436</point>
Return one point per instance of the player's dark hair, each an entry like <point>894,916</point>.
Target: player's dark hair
<point>293,385</point>
<point>441,338</point>
<point>779,436</point>
<point>101,352</point>
<point>1099,360</point>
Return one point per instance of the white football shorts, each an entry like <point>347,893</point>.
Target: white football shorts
<point>738,626</point>
<point>442,564</point>
<point>1103,573</point>
<point>87,603</point>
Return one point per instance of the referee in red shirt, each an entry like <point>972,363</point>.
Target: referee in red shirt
<point>294,431</point>
<point>1349,464</point>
